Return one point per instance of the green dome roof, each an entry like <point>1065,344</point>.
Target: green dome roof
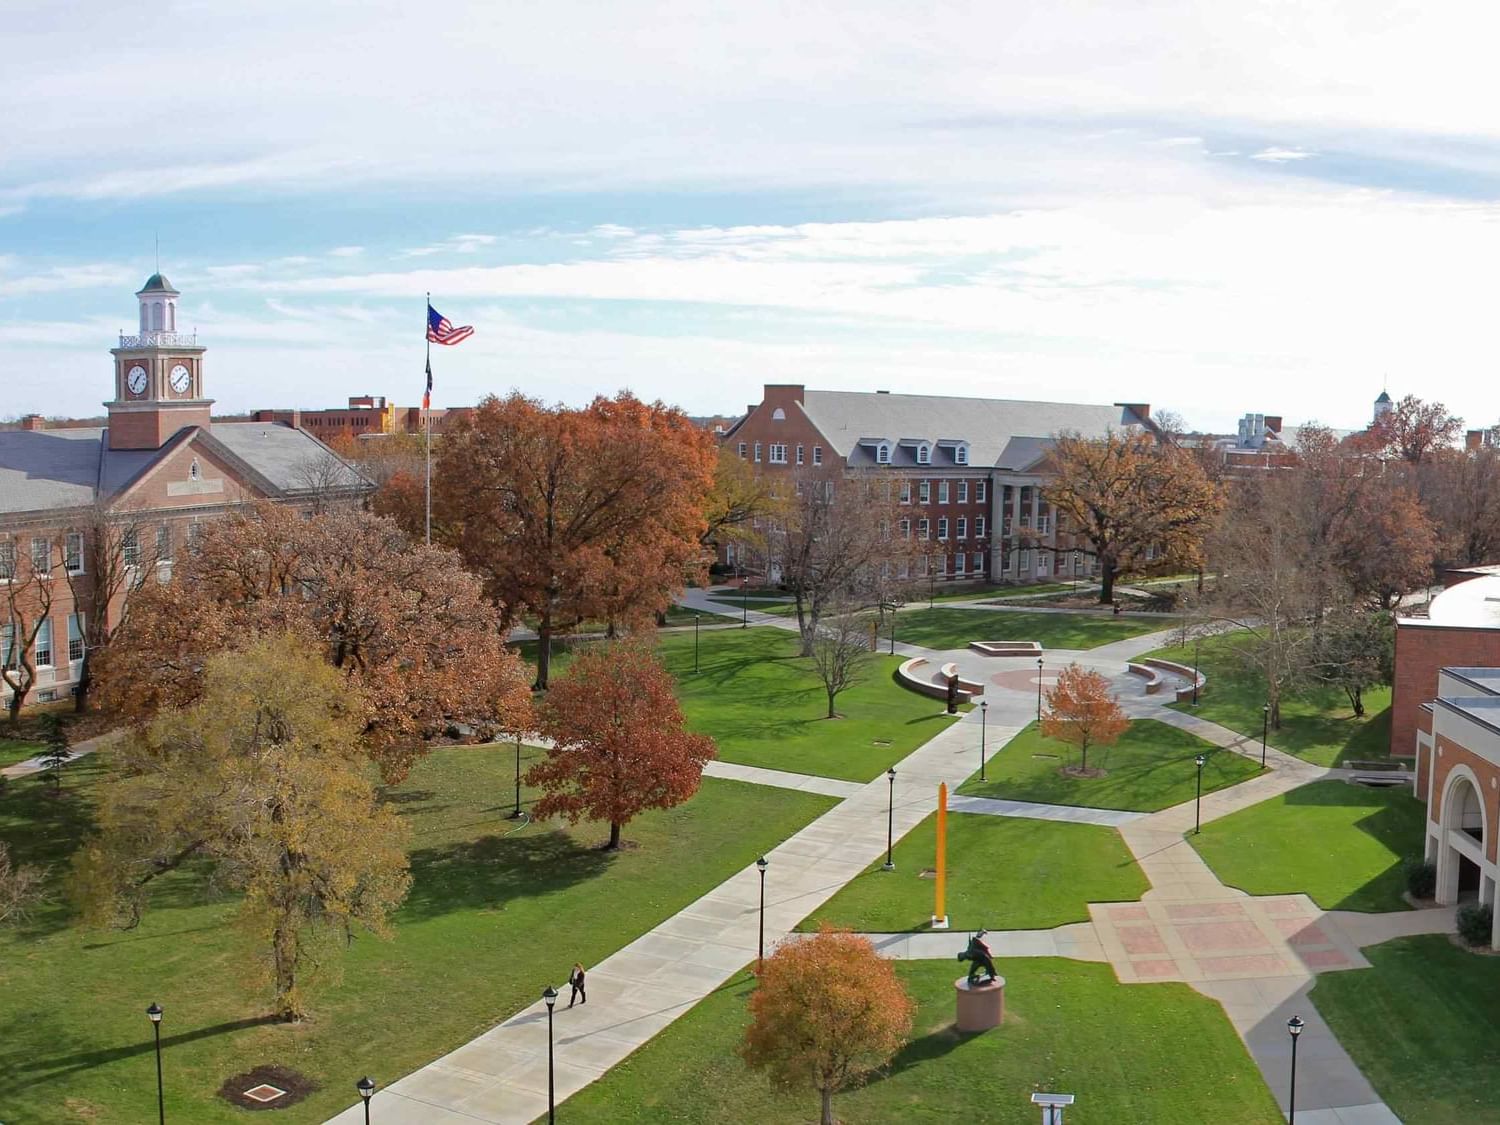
<point>1383,397</point>
<point>156,283</point>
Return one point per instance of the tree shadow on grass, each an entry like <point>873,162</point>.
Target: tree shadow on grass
<point>492,870</point>
<point>22,1067</point>
<point>934,1045</point>
<point>1395,820</point>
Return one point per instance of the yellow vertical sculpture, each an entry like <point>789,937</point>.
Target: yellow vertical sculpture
<point>940,907</point>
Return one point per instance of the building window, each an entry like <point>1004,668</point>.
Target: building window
<point>799,453</point>
<point>922,530</point>
<point>194,537</point>
<point>942,492</point>
<point>757,453</point>
<point>1043,524</point>
<point>980,488</point>
<point>963,492</point>
<point>958,564</point>
<point>978,527</point>
<point>828,491</point>
<point>9,657</point>
<point>194,473</point>
<point>906,529</point>
<point>130,548</point>
<point>43,644</point>
<point>163,544</point>
<point>778,415</point>
<point>7,559</point>
<point>73,552</point>
<point>906,492</point>
<point>744,450</point>
<point>961,455</point>
<point>41,555</point>
<point>978,562</point>
<point>924,492</point>
<point>882,454</point>
<point>778,453</point>
<point>924,455</point>
<point>1023,560</point>
<point>75,637</point>
<point>817,455</point>
<point>942,528</point>
<point>962,529</point>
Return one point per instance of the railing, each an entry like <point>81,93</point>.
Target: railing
<point>160,340</point>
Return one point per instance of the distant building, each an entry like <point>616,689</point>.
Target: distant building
<point>365,416</point>
<point>143,482</point>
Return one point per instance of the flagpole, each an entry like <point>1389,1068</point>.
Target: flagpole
<point>427,418</point>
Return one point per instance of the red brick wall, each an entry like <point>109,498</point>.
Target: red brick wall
<point>150,429</point>
<point>1489,796</point>
<point>1421,650</point>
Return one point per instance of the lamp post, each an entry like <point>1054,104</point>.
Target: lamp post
<point>893,630</point>
<point>744,604</point>
<point>366,1088</point>
<point>760,946</point>
<point>1265,726</point>
<point>1038,689</point>
<point>890,819</point>
<point>515,813</point>
<point>153,1013</point>
<point>549,994</point>
<point>1197,652</point>
<point>931,583</point>
<point>695,644</point>
<point>1200,761</point>
<point>1294,1028</point>
<point>983,711</point>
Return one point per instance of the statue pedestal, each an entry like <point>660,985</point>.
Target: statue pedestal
<point>981,1006</point>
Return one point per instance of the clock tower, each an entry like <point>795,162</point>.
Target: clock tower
<point>158,375</point>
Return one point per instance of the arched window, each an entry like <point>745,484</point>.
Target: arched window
<point>882,454</point>
<point>961,455</point>
<point>156,316</point>
<point>171,317</point>
<point>924,454</point>
<point>778,415</point>
<point>194,473</point>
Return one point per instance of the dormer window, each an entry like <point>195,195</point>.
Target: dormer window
<point>924,454</point>
<point>882,454</point>
<point>778,415</point>
<point>961,455</point>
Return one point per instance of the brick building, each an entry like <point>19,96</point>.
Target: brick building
<point>1462,628</point>
<point>140,484</point>
<point>366,416</point>
<point>971,470</point>
<point>1459,778</point>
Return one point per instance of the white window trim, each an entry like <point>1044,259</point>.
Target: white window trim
<point>961,455</point>
<point>36,645</point>
<point>924,455</point>
<point>942,529</point>
<point>963,492</point>
<point>817,455</point>
<point>799,453</point>
<point>981,491</point>
<point>961,530</point>
<point>924,492</point>
<point>67,546</point>
<point>83,642</point>
<point>978,527</point>
<point>906,492</point>
<point>882,454</point>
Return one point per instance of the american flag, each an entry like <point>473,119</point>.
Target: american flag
<point>440,331</point>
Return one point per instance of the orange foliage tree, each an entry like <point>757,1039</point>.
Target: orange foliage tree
<point>1415,430</point>
<point>571,515</point>
<point>1133,502</point>
<point>1082,711</point>
<point>406,623</point>
<point>828,1010</point>
<point>619,746</point>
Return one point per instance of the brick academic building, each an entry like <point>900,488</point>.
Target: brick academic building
<point>143,483</point>
<point>971,470</point>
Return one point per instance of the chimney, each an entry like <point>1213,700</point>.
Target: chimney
<point>1273,423</point>
<point>296,418</point>
<point>1473,440</point>
<point>1142,410</point>
<point>33,422</point>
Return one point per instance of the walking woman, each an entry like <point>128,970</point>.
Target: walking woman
<point>576,980</point>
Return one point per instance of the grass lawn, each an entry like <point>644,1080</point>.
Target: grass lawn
<point>1003,874</point>
<point>494,915</point>
<point>681,615</point>
<point>1316,724</point>
<point>1423,1026</point>
<point>765,706</point>
<point>15,750</point>
<point>1342,844</point>
<point>1131,1053</point>
<point>1150,768</point>
<point>949,628</point>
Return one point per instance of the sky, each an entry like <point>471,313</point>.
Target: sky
<point>1214,208</point>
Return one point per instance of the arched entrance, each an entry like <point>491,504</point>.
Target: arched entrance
<point>1461,849</point>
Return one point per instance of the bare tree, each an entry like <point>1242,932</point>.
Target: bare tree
<point>326,479</point>
<point>836,533</point>
<point>106,553</point>
<point>841,650</point>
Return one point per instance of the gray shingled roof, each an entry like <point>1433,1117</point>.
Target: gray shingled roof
<point>1000,432</point>
<point>42,470</point>
<point>156,283</point>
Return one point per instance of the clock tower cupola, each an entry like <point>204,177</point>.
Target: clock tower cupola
<point>158,375</point>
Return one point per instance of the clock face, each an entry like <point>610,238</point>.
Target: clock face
<point>135,382</point>
<point>180,378</point>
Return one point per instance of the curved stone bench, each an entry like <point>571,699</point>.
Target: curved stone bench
<point>1152,676</point>
<point>917,675</point>
<point>1007,648</point>
<point>1186,672</point>
<point>970,687</point>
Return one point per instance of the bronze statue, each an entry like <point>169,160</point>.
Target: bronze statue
<point>953,695</point>
<point>978,956</point>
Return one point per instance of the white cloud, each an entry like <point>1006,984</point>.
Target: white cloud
<point>1274,155</point>
<point>458,244</point>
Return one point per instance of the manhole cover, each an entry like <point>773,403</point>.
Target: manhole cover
<point>267,1087</point>
<point>880,742</point>
<point>927,873</point>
